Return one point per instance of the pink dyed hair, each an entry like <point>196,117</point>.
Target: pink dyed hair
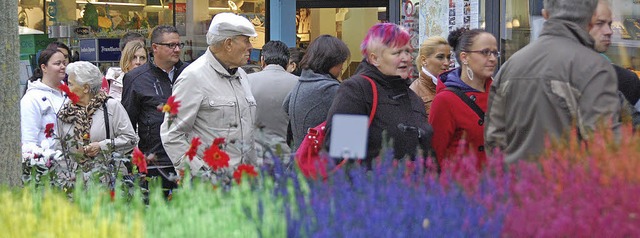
<point>384,34</point>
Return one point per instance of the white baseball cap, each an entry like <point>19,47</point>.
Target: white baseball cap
<point>229,24</point>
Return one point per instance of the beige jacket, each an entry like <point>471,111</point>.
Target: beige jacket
<point>122,133</point>
<point>424,87</point>
<point>547,87</point>
<point>213,104</point>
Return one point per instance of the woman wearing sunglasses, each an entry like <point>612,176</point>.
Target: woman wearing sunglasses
<point>457,111</point>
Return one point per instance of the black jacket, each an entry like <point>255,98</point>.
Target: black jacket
<point>628,84</point>
<point>144,88</point>
<point>400,112</point>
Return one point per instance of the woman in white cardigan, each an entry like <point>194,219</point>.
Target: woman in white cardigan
<point>83,126</point>
<point>42,101</point>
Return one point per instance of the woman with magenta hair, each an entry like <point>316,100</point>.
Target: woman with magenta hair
<point>386,51</point>
<point>457,125</point>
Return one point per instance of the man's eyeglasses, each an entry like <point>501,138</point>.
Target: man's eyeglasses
<point>486,52</point>
<point>172,45</point>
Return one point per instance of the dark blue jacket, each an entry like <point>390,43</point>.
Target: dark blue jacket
<point>145,88</point>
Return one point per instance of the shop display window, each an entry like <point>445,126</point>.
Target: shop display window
<point>625,42</point>
<point>522,21</point>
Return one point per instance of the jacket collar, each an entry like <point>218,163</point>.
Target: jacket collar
<point>177,67</point>
<point>451,78</point>
<point>426,81</point>
<point>384,80</point>
<point>273,67</point>
<point>218,66</point>
<point>563,28</point>
<point>309,76</point>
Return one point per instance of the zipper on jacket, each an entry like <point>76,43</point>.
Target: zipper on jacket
<point>158,88</point>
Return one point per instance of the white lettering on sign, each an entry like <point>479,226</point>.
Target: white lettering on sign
<point>87,49</point>
<point>109,49</point>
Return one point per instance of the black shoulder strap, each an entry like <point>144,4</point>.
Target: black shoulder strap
<point>106,118</point>
<point>469,102</point>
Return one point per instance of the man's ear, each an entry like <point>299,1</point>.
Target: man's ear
<point>545,14</point>
<point>227,44</point>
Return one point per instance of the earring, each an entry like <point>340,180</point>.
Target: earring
<point>469,71</point>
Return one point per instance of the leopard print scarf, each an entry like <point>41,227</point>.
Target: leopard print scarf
<point>82,117</point>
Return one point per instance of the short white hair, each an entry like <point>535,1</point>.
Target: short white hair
<point>86,74</point>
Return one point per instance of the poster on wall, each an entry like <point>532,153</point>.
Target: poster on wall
<point>410,19</point>
<point>303,24</point>
<point>464,13</point>
<point>434,17</point>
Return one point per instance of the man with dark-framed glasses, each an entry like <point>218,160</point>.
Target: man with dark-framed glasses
<point>145,88</point>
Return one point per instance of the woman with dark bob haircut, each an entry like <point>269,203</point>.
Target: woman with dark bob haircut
<point>309,101</point>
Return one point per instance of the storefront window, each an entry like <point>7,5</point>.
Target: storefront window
<point>106,19</point>
<point>625,45</point>
<point>31,15</point>
<point>204,10</point>
<point>522,21</point>
<point>515,25</point>
<point>348,24</point>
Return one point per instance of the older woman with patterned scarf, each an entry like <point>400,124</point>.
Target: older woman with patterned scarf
<point>93,125</point>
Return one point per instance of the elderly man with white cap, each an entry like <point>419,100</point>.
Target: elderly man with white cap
<point>215,98</point>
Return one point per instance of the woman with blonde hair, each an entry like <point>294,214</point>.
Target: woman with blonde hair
<point>133,55</point>
<point>434,58</point>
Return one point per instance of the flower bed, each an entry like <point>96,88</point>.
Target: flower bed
<point>573,191</point>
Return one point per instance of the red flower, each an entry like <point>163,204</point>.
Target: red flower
<point>139,160</point>
<point>195,142</point>
<point>105,85</point>
<point>171,106</point>
<point>48,130</point>
<point>244,169</point>
<point>216,158</point>
<point>218,141</point>
<point>72,96</point>
<point>112,194</point>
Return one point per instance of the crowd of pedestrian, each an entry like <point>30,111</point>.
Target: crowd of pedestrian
<point>557,83</point>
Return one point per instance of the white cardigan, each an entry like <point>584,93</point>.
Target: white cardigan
<point>38,107</point>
